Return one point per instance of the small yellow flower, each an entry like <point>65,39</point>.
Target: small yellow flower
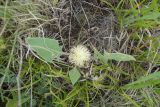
<point>79,56</point>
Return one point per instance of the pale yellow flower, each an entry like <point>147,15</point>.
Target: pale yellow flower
<point>79,56</point>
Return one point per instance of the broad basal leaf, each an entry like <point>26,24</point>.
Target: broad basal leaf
<point>74,75</point>
<point>47,48</point>
<point>112,56</point>
<point>118,56</point>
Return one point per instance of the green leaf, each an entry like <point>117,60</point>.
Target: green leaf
<point>74,75</point>
<point>47,48</point>
<point>55,2</point>
<point>118,56</point>
<point>150,80</point>
<point>5,13</point>
<point>112,56</point>
<point>73,93</point>
<point>14,102</point>
<point>2,44</point>
<point>98,55</point>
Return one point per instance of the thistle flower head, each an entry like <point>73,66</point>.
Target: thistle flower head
<point>79,56</point>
